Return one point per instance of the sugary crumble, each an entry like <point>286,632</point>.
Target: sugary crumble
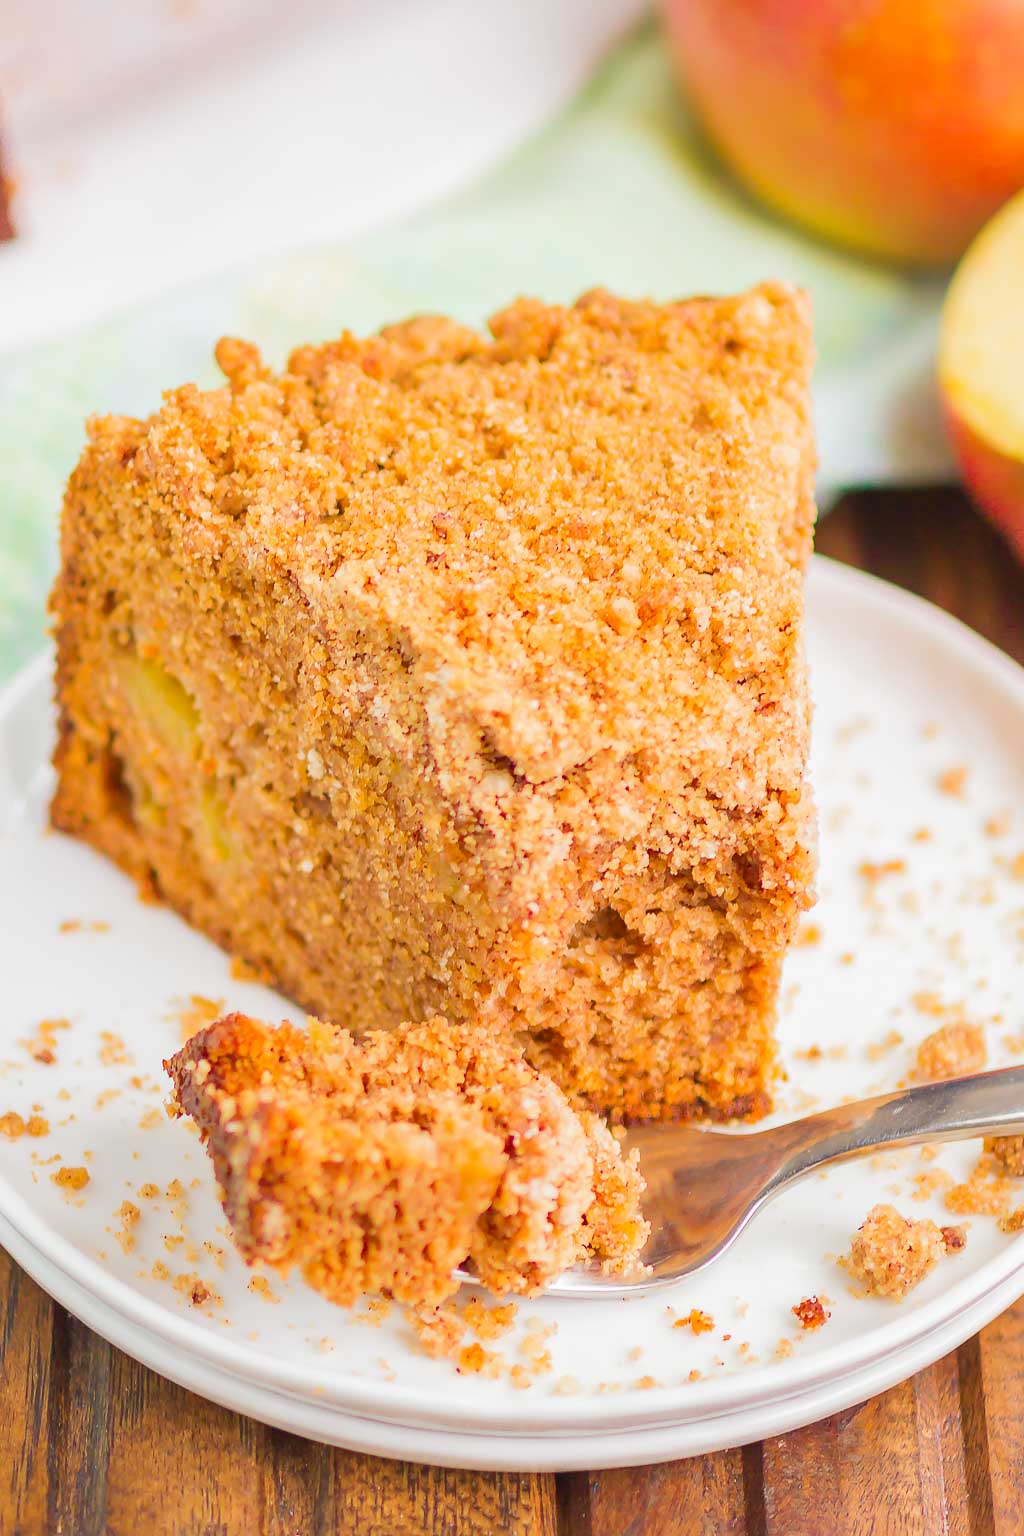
<point>72,1179</point>
<point>810,1313</point>
<point>890,1254</point>
<point>952,1050</point>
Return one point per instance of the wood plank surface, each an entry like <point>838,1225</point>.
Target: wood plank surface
<point>96,1444</point>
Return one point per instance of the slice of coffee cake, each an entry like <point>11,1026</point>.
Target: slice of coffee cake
<point>445,673</point>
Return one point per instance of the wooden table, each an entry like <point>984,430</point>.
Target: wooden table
<point>95,1443</point>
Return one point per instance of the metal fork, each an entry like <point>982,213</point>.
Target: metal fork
<point>703,1187</point>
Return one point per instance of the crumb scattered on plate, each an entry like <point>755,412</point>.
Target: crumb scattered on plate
<point>1008,1152</point>
<point>952,1050</point>
<point>953,781</point>
<point>987,1192</point>
<point>696,1320</point>
<point>42,1045</point>
<point>13,1126</point>
<point>260,1286</point>
<point>810,1313</point>
<point>71,1179</point>
<point>890,1254</point>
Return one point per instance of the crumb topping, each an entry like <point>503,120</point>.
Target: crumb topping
<point>479,493</point>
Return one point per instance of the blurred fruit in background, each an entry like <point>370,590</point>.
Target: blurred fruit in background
<point>893,126</point>
<point>981,369</point>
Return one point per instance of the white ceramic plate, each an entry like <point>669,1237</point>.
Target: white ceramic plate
<point>546,1452</point>
<point>905,699</point>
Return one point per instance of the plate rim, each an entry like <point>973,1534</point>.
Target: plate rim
<point>498,1451</point>
<point>393,1402</point>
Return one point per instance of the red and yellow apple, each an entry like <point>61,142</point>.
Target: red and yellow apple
<point>981,369</point>
<point>893,126</point>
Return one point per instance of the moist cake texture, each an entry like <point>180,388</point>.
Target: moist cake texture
<point>381,1165</point>
<point>464,674</point>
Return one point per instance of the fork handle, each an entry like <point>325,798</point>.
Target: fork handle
<point>961,1107</point>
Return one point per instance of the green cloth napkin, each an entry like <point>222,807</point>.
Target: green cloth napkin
<point>620,191</point>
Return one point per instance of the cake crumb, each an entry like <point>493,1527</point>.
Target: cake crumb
<point>954,1238</point>
<point>930,1004</point>
<point>783,1349</point>
<point>128,1215</point>
<point>198,1291</point>
<point>489,1322</point>
<point>953,781</point>
<point>566,1386</point>
<point>810,1313</point>
<point>1013,1221</point>
<point>374,1313</point>
<point>1008,1152</point>
<point>808,936</point>
<point>879,1048</point>
<point>930,1182</point>
<point>71,1178</point>
<point>873,872</point>
<point>113,1051</point>
<point>13,1126</point>
<point>438,1330</point>
<point>532,1348</point>
<point>952,1050</point>
<point>474,1360</point>
<point>890,1255</point>
<point>42,1045</point>
<point>260,1286</point>
<point>696,1320</point>
<point>986,1193</point>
